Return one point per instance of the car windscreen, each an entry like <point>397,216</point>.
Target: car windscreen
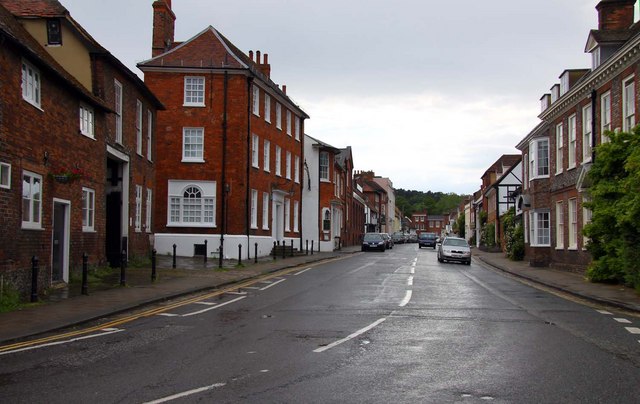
<point>456,242</point>
<point>372,237</point>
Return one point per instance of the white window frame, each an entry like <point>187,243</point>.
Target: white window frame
<point>5,175</point>
<point>287,214</point>
<point>559,225</point>
<point>266,162</point>
<point>288,122</point>
<point>149,135</point>
<point>31,84</point>
<point>265,210</point>
<point>559,148</point>
<point>324,166</point>
<point>587,215</point>
<point>296,206</point>
<point>540,236</point>
<point>206,203</point>
<point>254,209</point>
<point>535,159</point>
<point>267,107</point>
<point>605,116</point>
<point>288,165</point>
<point>86,120</point>
<point>192,155</point>
<point>586,134</point>
<point>525,170</point>
<point>297,128</point>
<point>296,170</point>
<point>573,223</point>
<point>278,161</point>
<point>88,209</point>
<point>628,103</point>
<point>31,201</point>
<point>149,210</point>
<point>194,91</point>
<point>118,102</point>
<point>139,110</point>
<point>278,116</point>
<point>255,157</point>
<point>571,127</point>
<point>138,211</point>
<point>256,100</point>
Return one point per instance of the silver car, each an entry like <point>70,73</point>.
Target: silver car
<point>454,249</point>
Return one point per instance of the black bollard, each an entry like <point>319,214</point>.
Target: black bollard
<point>174,256</point>
<point>85,274</point>
<point>239,254</point>
<point>34,279</point>
<point>291,247</point>
<point>307,248</point>
<point>284,250</point>
<point>154,275</point>
<point>312,247</point>
<point>255,254</point>
<point>205,252</point>
<point>123,266</point>
<point>274,250</point>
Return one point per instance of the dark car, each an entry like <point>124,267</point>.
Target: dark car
<point>388,240</point>
<point>398,238</point>
<point>427,240</point>
<point>373,241</point>
<point>454,249</point>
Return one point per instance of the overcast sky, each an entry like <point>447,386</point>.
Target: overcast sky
<point>427,92</point>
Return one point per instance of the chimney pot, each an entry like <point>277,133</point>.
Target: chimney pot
<point>266,58</point>
<point>251,55</point>
<point>284,89</point>
<point>258,57</point>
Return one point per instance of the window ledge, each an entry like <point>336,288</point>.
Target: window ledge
<point>560,248</point>
<point>87,230</point>
<point>194,105</point>
<point>574,248</point>
<point>193,161</point>
<point>32,227</point>
<point>199,225</point>
<point>571,168</point>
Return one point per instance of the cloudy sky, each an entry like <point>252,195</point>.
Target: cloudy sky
<point>427,92</point>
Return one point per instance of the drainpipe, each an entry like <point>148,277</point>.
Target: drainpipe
<point>248,188</point>
<point>224,169</point>
<point>594,98</point>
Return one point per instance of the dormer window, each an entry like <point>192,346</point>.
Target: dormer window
<point>54,32</point>
<point>595,58</point>
<point>555,93</point>
<point>545,101</point>
<point>564,83</point>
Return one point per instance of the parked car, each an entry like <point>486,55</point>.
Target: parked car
<point>373,241</point>
<point>454,249</point>
<point>398,238</point>
<point>388,239</point>
<point>427,240</point>
<point>413,238</point>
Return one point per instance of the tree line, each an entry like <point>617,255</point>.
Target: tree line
<point>435,203</point>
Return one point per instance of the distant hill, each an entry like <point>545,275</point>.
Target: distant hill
<point>435,203</point>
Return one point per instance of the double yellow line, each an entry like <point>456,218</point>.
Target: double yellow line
<point>151,312</point>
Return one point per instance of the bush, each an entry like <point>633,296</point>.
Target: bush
<point>488,238</point>
<point>9,299</point>
<point>514,236</point>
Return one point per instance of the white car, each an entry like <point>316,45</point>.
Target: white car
<point>454,249</point>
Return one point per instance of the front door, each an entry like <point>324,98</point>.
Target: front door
<point>60,243</point>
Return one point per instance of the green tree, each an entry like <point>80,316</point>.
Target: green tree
<point>514,236</point>
<point>614,231</point>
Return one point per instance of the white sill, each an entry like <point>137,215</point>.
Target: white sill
<point>199,225</point>
<point>29,226</point>
<point>571,168</point>
<point>88,230</point>
<point>574,248</point>
<point>266,170</point>
<point>560,248</point>
<point>36,106</point>
<point>253,227</point>
<point>586,161</point>
<point>258,167</point>
<point>193,161</point>
<point>194,105</point>
<point>92,137</point>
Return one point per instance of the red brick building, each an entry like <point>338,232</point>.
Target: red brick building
<point>354,207</point>
<point>68,185</point>
<point>230,147</point>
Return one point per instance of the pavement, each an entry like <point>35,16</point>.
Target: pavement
<point>67,307</point>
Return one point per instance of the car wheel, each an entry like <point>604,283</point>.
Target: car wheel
<point>468,263</point>
<point>419,246</point>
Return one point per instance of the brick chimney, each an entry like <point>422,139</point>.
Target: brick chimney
<point>163,27</point>
<point>615,14</point>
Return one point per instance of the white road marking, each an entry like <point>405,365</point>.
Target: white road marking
<point>301,272</point>
<point>251,287</point>
<point>622,320</point>
<point>206,303</point>
<point>193,313</point>
<point>407,298</point>
<point>235,293</point>
<point>186,393</point>
<point>168,314</point>
<point>604,312</point>
<point>355,334</point>
<point>273,284</point>
<point>413,270</point>
<point>410,281</point>
<point>108,331</point>
<point>633,330</point>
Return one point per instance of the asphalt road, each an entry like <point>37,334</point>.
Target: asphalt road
<point>375,327</point>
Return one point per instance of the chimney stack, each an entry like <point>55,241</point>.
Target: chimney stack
<point>284,89</point>
<point>163,27</point>
<point>615,15</point>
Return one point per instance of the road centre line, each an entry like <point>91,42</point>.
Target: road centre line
<point>633,330</point>
<point>413,270</point>
<point>108,331</point>
<point>604,312</point>
<point>351,336</point>
<point>186,393</point>
<point>162,309</point>
<point>410,281</point>
<point>622,320</point>
<point>301,272</point>
<point>407,299</point>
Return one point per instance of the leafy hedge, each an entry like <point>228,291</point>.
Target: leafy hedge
<point>514,236</point>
